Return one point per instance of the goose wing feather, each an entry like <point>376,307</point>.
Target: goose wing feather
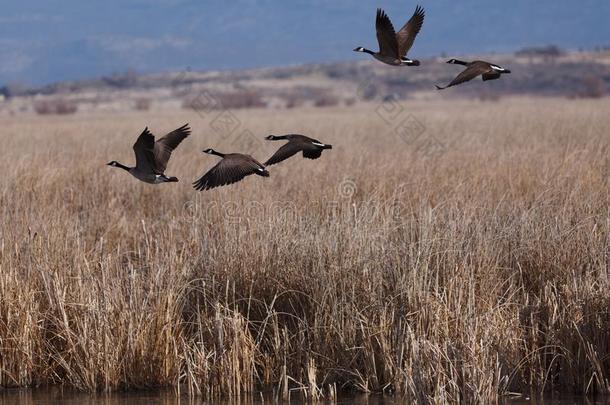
<point>406,35</point>
<point>164,147</point>
<point>473,70</point>
<point>144,149</point>
<point>231,169</point>
<point>386,35</point>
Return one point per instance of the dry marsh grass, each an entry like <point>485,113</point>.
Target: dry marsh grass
<point>456,273</point>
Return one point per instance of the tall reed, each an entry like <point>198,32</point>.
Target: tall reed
<point>464,259</point>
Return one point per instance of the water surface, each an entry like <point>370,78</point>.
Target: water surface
<point>63,396</point>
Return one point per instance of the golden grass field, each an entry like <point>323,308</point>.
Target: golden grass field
<point>463,272</point>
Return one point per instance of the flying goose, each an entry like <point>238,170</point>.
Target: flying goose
<point>311,148</point>
<point>393,47</point>
<point>152,157</point>
<point>488,70</point>
<point>232,168</point>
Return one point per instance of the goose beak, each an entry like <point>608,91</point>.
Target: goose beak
<point>506,71</point>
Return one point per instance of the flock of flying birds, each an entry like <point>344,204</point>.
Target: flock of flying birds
<point>152,156</point>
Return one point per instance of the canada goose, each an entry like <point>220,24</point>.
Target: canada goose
<point>232,168</point>
<point>152,157</point>
<point>311,148</point>
<point>488,70</point>
<point>393,47</point>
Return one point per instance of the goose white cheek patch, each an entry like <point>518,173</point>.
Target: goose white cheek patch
<point>318,144</point>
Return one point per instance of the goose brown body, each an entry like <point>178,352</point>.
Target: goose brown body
<point>393,47</point>
<point>232,168</point>
<point>152,157</point>
<point>487,70</point>
<point>311,148</point>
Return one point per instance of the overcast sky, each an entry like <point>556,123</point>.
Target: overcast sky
<point>43,42</point>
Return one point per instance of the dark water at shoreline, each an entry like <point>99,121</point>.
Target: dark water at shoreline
<point>59,396</point>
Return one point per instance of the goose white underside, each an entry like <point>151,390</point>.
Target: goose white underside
<point>149,178</point>
<point>389,60</point>
<point>160,179</point>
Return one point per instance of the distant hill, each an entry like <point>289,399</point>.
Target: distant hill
<point>540,72</point>
<point>44,42</point>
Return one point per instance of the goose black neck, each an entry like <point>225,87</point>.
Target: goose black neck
<point>122,166</point>
<point>218,154</point>
<point>368,51</point>
<point>461,62</point>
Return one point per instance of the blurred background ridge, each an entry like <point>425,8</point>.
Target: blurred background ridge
<point>42,43</point>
